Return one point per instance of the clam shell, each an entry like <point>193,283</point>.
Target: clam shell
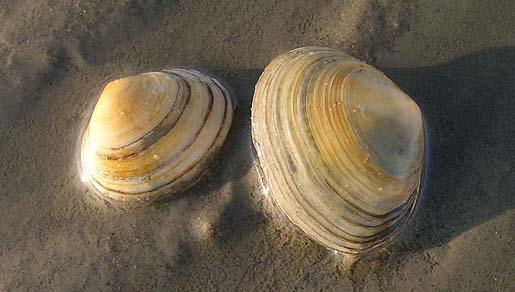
<point>340,147</point>
<point>153,134</point>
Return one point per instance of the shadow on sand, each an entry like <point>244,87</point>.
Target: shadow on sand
<point>469,106</point>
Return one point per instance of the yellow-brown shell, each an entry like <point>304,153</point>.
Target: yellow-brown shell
<point>340,147</point>
<point>153,134</point>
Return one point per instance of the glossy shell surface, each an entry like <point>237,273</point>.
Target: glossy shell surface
<point>154,134</point>
<point>340,147</point>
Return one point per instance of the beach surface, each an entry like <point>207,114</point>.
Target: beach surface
<point>455,58</point>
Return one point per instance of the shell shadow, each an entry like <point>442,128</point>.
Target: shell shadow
<point>238,216</point>
<point>469,116</point>
<point>235,158</point>
<point>468,105</point>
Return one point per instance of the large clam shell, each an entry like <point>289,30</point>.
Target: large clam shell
<point>340,147</point>
<point>153,134</point>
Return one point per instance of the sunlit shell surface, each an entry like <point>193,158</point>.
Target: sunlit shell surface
<point>153,134</point>
<point>340,147</point>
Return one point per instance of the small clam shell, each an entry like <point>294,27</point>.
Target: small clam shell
<point>340,147</point>
<point>153,134</point>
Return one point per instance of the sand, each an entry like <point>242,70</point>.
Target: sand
<point>455,58</point>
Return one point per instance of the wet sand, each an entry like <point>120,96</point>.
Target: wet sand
<point>455,58</point>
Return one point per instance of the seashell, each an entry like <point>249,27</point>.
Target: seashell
<point>340,147</point>
<point>153,134</point>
